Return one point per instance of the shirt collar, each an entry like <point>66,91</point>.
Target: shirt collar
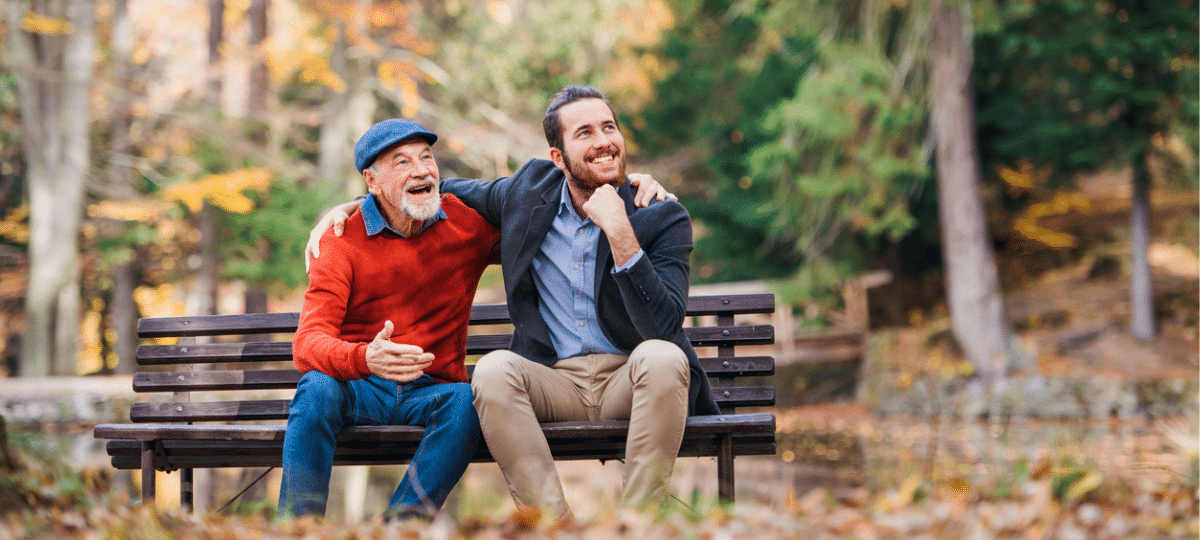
<point>565,205</point>
<point>375,224</point>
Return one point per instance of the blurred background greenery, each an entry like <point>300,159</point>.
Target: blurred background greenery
<point>169,157</point>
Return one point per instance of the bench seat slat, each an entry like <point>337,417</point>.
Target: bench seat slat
<point>762,446</point>
<point>726,423</point>
<point>243,446</point>
<point>237,450</point>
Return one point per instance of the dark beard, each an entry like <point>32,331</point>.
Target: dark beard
<point>583,179</point>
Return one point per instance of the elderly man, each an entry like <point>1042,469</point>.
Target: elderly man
<point>383,333</point>
<point>597,291</point>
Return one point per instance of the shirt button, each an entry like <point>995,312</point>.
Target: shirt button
<point>577,266</point>
<point>581,323</point>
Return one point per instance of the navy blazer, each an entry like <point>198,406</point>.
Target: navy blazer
<point>647,301</point>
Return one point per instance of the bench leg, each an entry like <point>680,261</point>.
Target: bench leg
<point>187,490</point>
<point>725,486</point>
<point>147,472</point>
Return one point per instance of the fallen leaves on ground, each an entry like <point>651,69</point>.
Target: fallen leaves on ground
<point>1033,511</point>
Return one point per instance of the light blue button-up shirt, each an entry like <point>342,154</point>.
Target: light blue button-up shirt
<point>375,223</point>
<point>564,272</point>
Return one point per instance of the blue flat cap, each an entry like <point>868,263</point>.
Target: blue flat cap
<point>385,134</point>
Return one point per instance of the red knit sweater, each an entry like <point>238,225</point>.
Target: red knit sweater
<point>424,284</point>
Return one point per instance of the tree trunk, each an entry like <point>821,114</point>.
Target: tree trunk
<point>972,282</point>
<point>53,75</point>
<point>120,159</point>
<point>256,102</point>
<point>123,315</point>
<point>204,297</point>
<point>1141,289</point>
<point>216,35</point>
<point>345,117</point>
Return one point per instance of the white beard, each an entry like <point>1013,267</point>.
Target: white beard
<point>424,210</point>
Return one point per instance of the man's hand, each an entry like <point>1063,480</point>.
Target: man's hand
<point>337,218</point>
<point>607,211</point>
<point>393,361</point>
<point>648,189</point>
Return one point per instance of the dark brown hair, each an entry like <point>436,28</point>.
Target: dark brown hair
<point>551,123</point>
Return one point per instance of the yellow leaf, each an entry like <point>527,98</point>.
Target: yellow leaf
<point>959,485</point>
<point>41,24</point>
<point>133,210</point>
<point>14,226</point>
<point>222,190</point>
<point>910,488</point>
<point>1086,483</point>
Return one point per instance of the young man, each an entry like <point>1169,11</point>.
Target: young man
<point>597,290</point>
<point>382,336</point>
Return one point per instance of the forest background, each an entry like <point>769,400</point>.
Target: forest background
<point>166,157</point>
<point>1023,170</point>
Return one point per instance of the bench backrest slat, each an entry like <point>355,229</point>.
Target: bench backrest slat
<point>277,409</point>
<point>725,337</point>
<point>274,379</point>
<point>281,351</point>
<point>271,323</point>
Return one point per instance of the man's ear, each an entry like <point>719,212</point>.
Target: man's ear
<point>557,157</point>
<point>369,178</point>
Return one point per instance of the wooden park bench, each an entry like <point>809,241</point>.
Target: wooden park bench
<point>182,434</point>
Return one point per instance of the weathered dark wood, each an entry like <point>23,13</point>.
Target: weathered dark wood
<point>757,334</point>
<point>212,411</point>
<point>211,353</point>
<point>220,446</point>
<point>272,323</point>
<point>733,303</point>
<point>281,351</point>
<point>218,325</point>
<point>205,381</point>
<point>489,314</point>
<point>277,409</point>
<point>146,463</point>
<point>725,453</point>
<point>164,437</point>
<point>742,366</point>
<point>761,445</point>
<point>187,489</point>
<point>696,425</point>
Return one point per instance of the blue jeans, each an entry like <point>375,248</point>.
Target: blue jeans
<point>322,406</point>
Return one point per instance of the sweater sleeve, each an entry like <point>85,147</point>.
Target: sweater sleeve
<point>317,344</point>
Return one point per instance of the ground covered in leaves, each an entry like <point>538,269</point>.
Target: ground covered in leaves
<point>1033,511</point>
<point>40,500</point>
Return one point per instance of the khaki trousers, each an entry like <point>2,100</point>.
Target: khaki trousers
<point>648,388</point>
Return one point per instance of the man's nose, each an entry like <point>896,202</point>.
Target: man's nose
<point>423,168</point>
<point>602,140</point>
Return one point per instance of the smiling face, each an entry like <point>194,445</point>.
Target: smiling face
<point>593,152</point>
<point>405,178</point>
